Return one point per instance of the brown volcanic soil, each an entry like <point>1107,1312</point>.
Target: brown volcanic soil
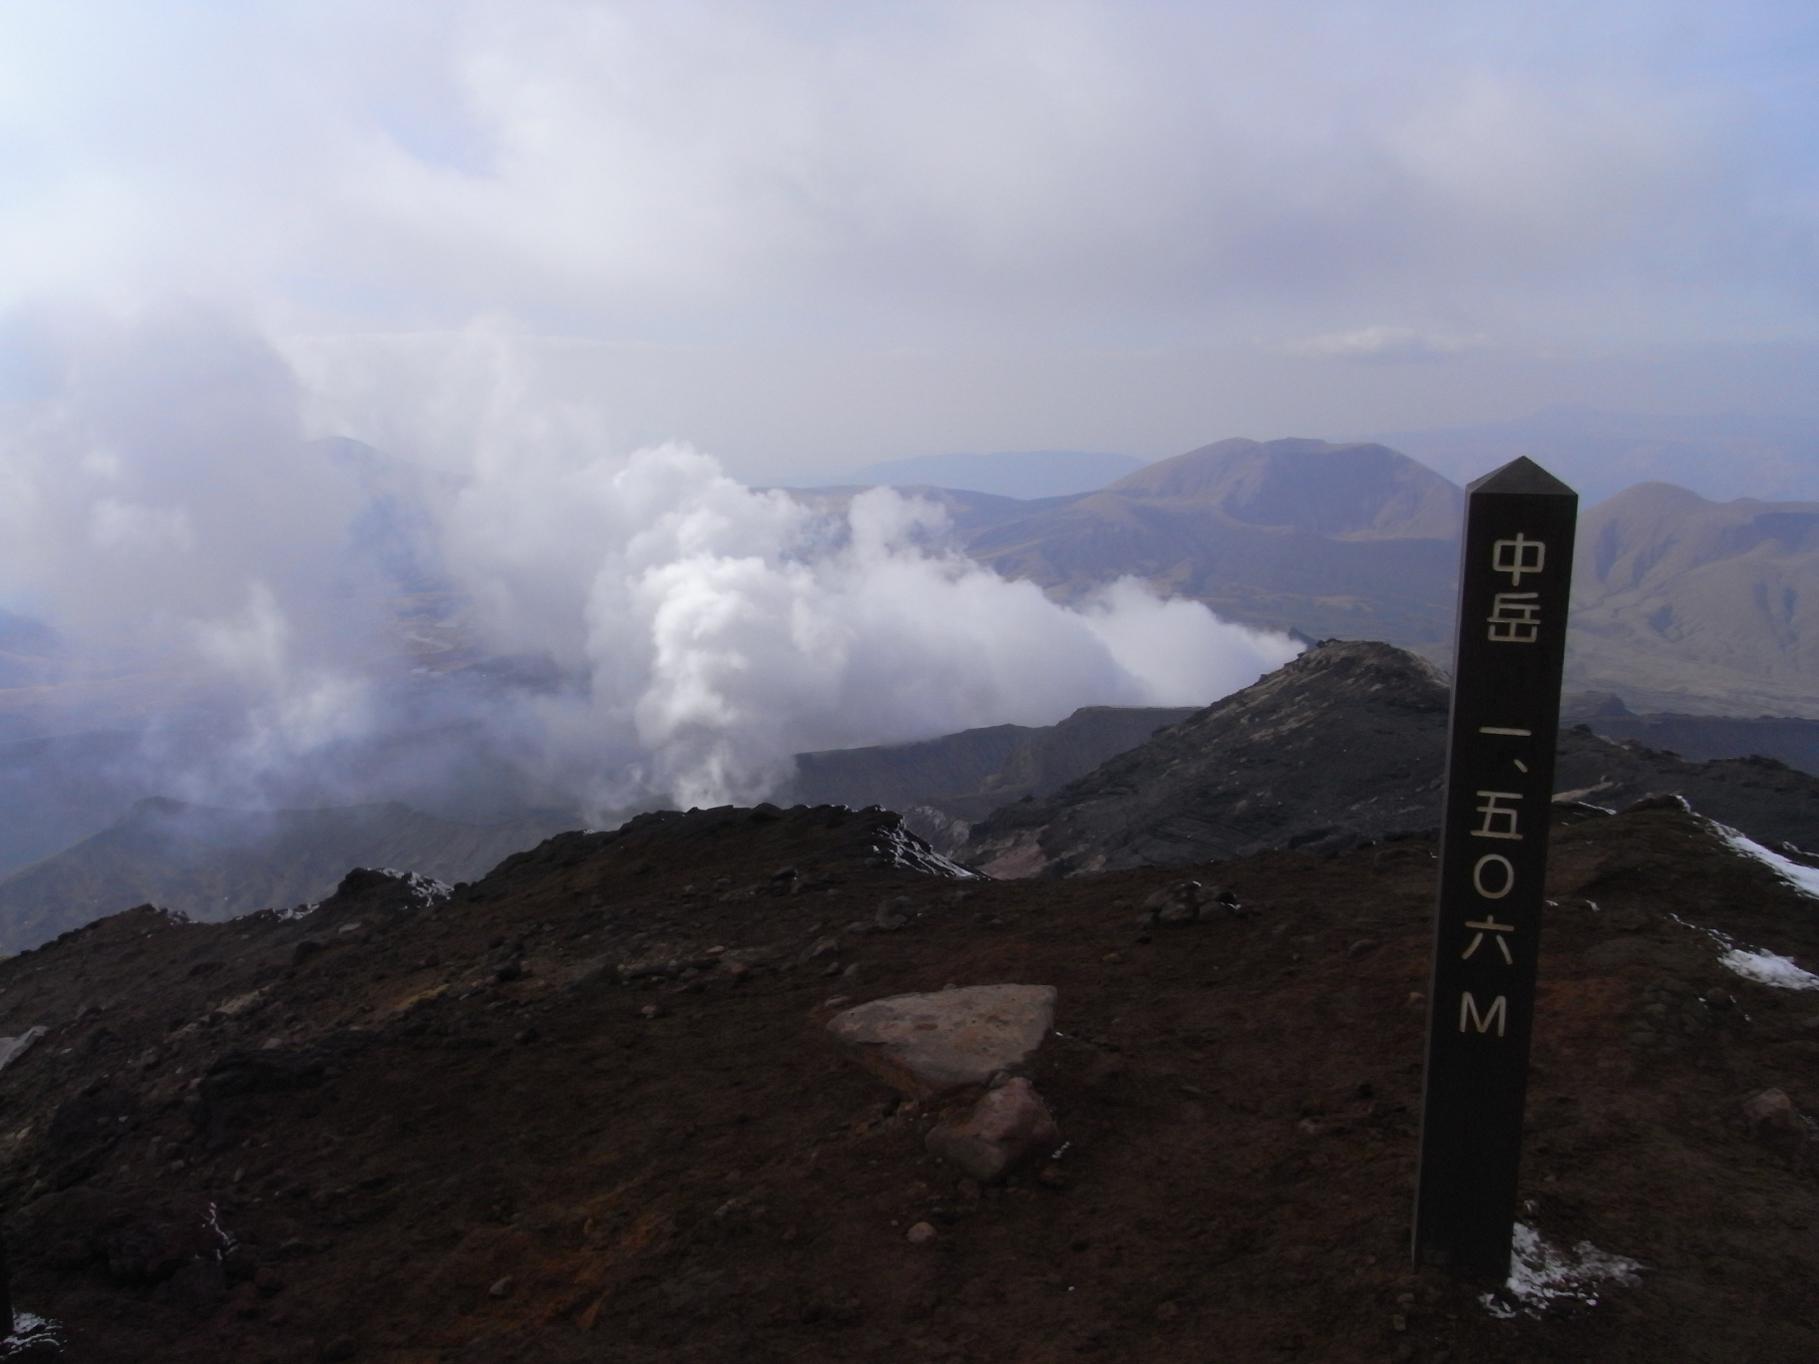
<point>421,1157</point>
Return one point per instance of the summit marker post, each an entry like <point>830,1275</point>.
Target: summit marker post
<point>1515,568</point>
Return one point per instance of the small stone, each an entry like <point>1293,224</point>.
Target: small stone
<point>1113,959</point>
<point>1007,1126</point>
<point>1362,948</point>
<point>1416,1000</point>
<point>501,1288</point>
<point>651,1011</point>
<point>1052,1175</point>
<point>1173,906</point>
<point>525,1036</point>
<point>1771,1109</point>
<point>921,1233</point>
<point>509,971</point>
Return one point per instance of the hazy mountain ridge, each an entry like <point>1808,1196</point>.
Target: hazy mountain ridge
<point>1294,534</point>
<point>1680,604</point>
<point>1343,491</point>
<point>1675,595</point>
<point>965,776</point>
<point>214,863</point>
<point>1021,474</point>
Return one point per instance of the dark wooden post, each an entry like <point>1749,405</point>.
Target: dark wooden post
<point>6,1291</point>
<point>1514,573</point>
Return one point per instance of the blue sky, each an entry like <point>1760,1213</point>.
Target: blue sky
<point>805,235</point>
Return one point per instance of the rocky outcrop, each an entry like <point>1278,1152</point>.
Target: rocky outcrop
<point>1345,744</point>
<point>1006,1127</point>
<point>927,1045</point>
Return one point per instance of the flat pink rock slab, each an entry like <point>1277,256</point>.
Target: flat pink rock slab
<point>931,1044</point>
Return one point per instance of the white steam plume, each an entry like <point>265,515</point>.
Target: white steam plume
<point>701,632</point>
<point>160,509</point>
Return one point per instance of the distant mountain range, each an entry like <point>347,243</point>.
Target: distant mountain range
<point>1680,604</point>
<point>1356,541</point>
<point>1675,597</point>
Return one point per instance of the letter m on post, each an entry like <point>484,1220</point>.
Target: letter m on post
<point>1496,1017</point>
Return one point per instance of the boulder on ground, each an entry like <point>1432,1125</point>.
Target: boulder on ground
<point>1173,906</point>
<point>930,1044</point>
<point>1008,1125</point>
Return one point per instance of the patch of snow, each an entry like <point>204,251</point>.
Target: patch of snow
<point>1755,963</point>
<point>1769,968</point>
<point>1541,1274</point>
<point>906,850</point>
<point>296,911</point>
<point>175,916</point>
<point>30,1329</point>
<point>1801,878</point>
<point>229,1242</point>
<point>12,1048</point>
<point>425,890</point>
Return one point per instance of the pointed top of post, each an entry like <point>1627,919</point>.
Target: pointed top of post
<point>1522,477</point>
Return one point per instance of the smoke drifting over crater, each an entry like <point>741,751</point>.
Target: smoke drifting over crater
<point>623,626</point>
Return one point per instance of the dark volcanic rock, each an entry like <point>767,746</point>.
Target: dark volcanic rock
<point>681,1169</point>
<point>1343,745</point>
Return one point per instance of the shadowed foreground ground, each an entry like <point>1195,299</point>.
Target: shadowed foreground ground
<point>549,1121</point>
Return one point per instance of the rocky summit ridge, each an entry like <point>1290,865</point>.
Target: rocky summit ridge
<point>1344,744</point>
<point>589,1107</point>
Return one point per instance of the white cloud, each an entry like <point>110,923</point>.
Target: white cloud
<point>1384,344</point>
<point>845,231</point>
<point>637,167</point>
